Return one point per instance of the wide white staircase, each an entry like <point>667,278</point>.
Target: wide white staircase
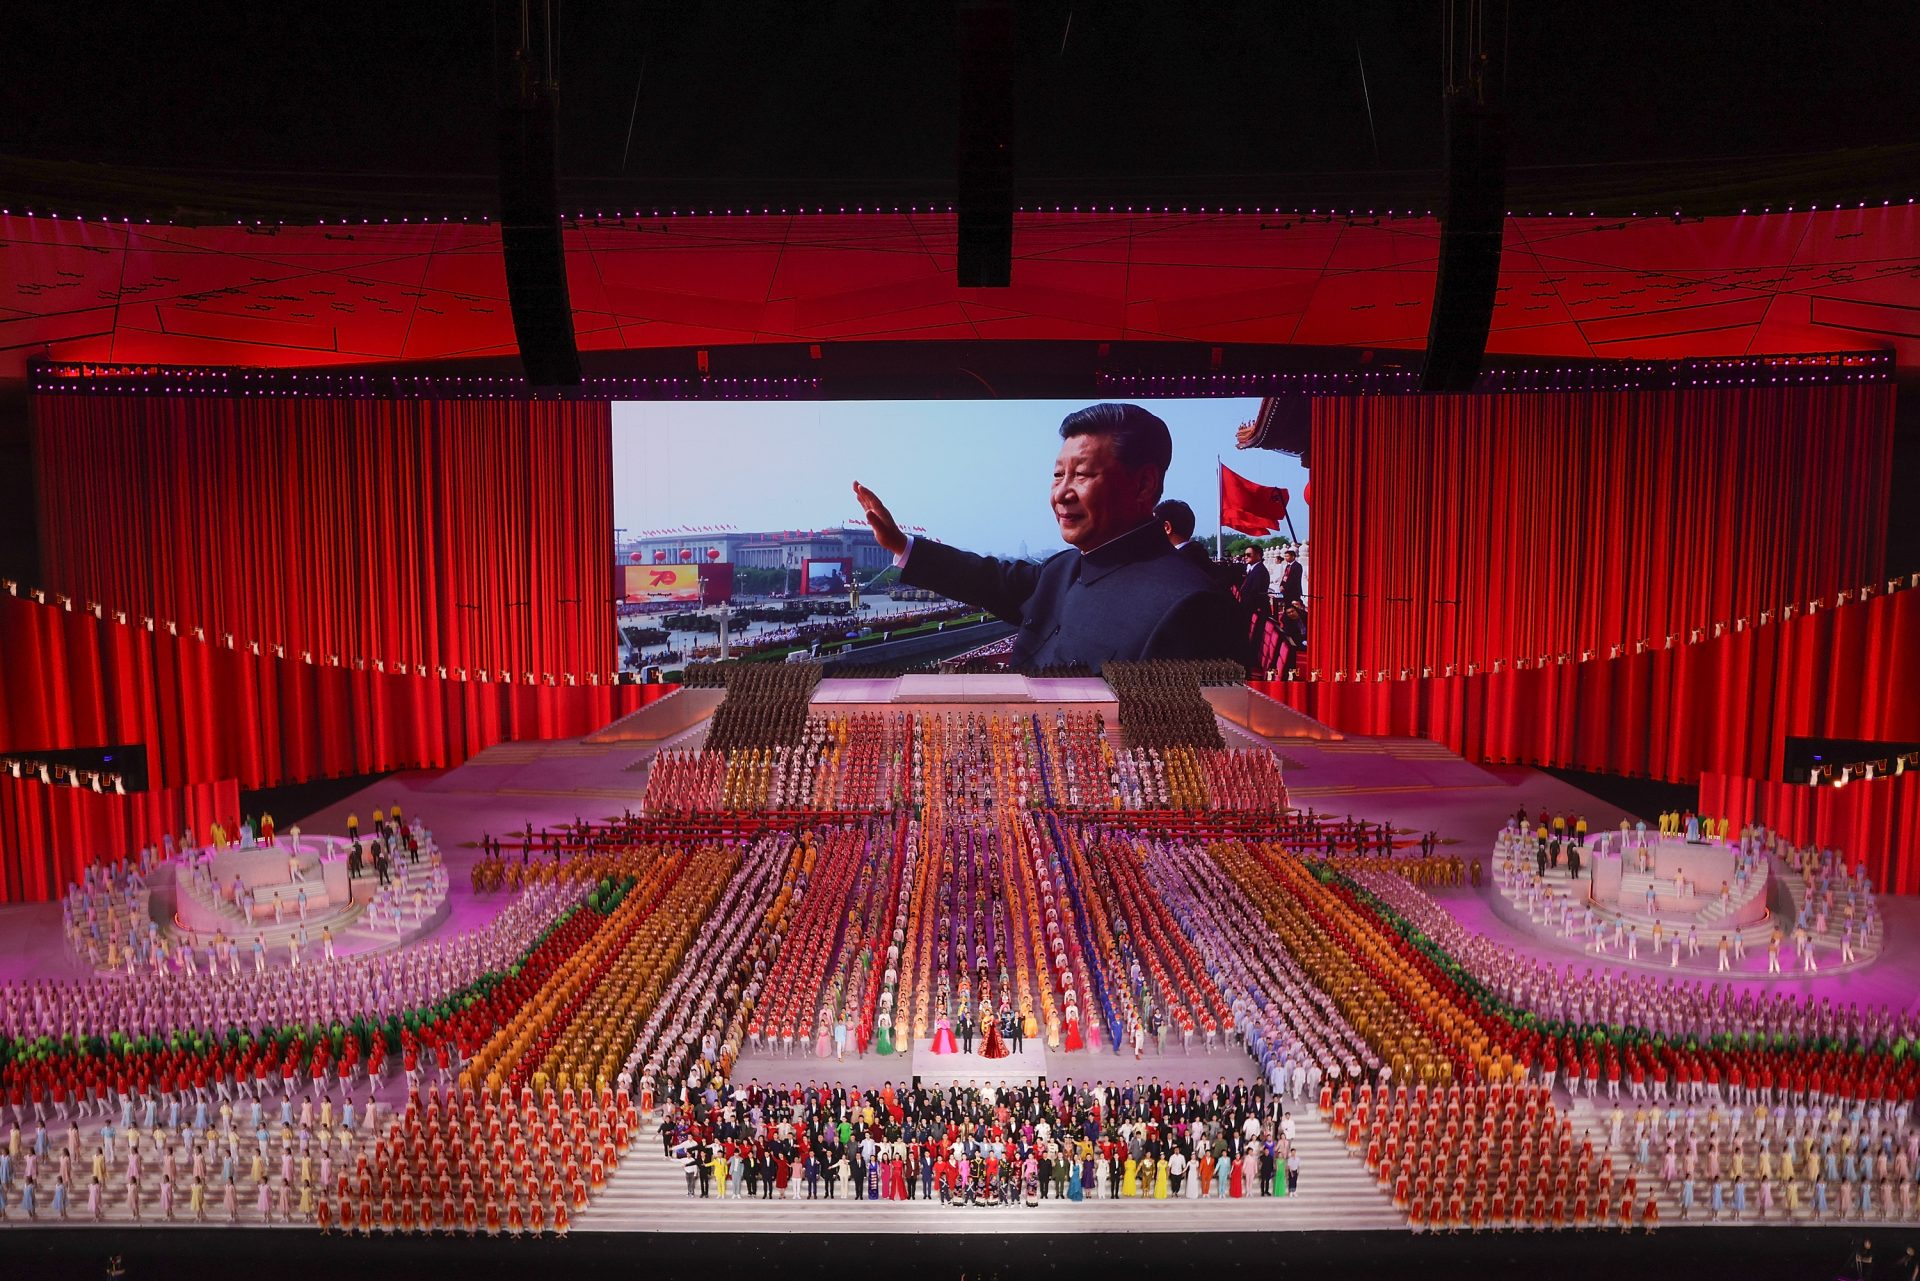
<point>649,1192</point>
<point>1869,935</point>
<point>1592,1115</point>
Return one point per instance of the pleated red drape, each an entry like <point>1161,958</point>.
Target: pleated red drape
<point>49,832</point>
<point>1723,705</point>
<point>1878,822</point>
<point>470,533</point>
<point>206,712</point>
<point>1465,529</point>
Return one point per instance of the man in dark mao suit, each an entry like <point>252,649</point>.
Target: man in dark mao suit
<point>1120,593</point>
<point>1255,582</point>
<point>1176,522</point>
<point>1290,576</point>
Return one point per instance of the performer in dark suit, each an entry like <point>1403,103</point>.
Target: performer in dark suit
<point>1176,522</point>
<point>1255,582</point>
<point>1291,575</point>
<point>1293,637</point>
<point>1263,636</point>
<point>1121,593</point>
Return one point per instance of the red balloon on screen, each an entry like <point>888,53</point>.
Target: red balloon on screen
<point>713,553</point>
<point>686,553</point>
<point>1306,493</point>
<point>658,557</point>
<point>634,557</point>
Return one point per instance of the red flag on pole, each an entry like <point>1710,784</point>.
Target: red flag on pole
<point>1250,508</point>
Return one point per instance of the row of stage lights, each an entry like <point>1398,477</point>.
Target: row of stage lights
<point>1673,640</point>
<point>50,773</point>
<point>89,379</point>
<point>1756,371</point>
<point>830,211</point>
<point>1864,771</point>
<point>1856,367</point>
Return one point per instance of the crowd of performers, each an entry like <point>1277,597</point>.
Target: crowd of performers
<point>108,922</point>
<point>627,972</point>
<point>1161,703</point>
<point>1838,909</point>
<point>995,1145</point>
<point>105,915</point>
<point>491,1161</point>
<point>1741,1155</point>
<point>1481,1158</point>
<point>873,761</point>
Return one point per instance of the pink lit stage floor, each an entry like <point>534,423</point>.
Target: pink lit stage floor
<point>1412,783</point>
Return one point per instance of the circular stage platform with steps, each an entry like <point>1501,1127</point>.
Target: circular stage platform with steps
<point>1688,890</point>
<point>241,894</point>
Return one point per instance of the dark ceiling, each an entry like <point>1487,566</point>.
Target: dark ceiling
<point>855,99</point>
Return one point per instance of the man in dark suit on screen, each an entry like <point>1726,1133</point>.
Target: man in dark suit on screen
<point>1255,582</point>
<point>1121,592</point>
<point>1290,578</point>
<point>1176,522</point>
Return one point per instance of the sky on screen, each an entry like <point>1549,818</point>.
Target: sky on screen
<point>971,473</point>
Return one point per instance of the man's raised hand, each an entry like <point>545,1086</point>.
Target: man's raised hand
<point>880,520</point>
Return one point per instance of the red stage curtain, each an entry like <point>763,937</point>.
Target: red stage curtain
<point>1876,823</point>
<point>49,832</point>
<point>469,533</point>
<point>207,712</point>
<point>1724,705</point>
<point>1465,529</point>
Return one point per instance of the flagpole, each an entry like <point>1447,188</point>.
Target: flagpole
<point>1220,509</point>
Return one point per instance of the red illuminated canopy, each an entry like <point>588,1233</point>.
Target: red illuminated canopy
<point>283,296</point>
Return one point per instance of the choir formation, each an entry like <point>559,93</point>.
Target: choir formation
<point>998,1145</point>
<point>874,884</point>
